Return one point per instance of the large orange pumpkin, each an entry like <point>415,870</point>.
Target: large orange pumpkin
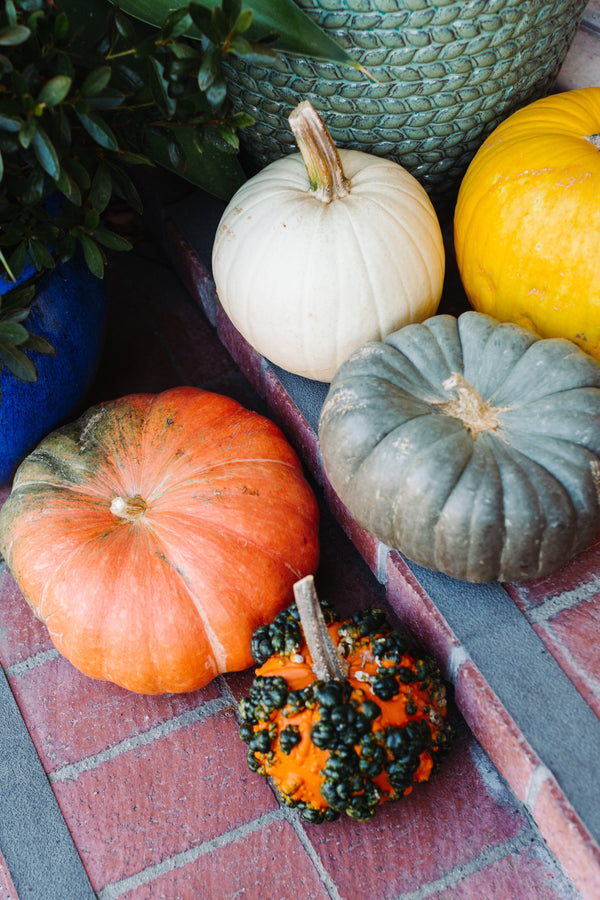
<point>156,533</point>
<point>527,220</point>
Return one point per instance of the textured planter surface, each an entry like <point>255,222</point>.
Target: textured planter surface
<point>444,75</point>
<point>69,311</point>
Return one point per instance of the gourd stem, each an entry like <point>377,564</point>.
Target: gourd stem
<point>475,413</point>
<point>129,508</point>
<point>328,665</point>
<point>595,140</point>
<point>320,155</point>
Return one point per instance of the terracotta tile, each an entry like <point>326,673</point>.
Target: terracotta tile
<point>416,609</point>
<point>21,634</point>
<point>441,825</point>
<point>516,876</point>
<point>71,716</point>
<point>494,729</point>
<point>270,862</point>
<point>249,361</point>
<point>568,839</point>
<point>161,799</point>
<point>293,423</point>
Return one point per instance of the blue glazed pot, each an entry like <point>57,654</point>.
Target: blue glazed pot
<point>70,312</point>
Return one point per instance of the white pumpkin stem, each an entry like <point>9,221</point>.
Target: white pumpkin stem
<point>476,414</point>
<point>328,664</point>
<point>320,155</point>
<point>129,508</point>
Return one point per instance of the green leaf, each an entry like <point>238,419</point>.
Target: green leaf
<point>27,133</point>
<point>98,129</point>
<point>176,24</point>
<point>34,187</point>
<point>12,333</point>
<point>295,30</point>
<point>39,344</point>
<point>11,123</point>
<point>101,188</point>
<point>13,35</point>
<point>159,86</point>
<point>243,21</point>
<point>93,255</point>
<point>45,153</point>
<point>61,26</point>
<point>232,9</point>
<point>91,220</point>
<point>18,364</point>
<point>126,189</point>
<point>40,255</point>
<point>69,187</point>
<point>217,93</point>
<point>79,173</point>
<point>55,90</point>
<point>96,81</point>
<point>111,240</point>
<point>14,315</point>
<point>210,68</point>
<point>206,166</point>
<point>18,298</point>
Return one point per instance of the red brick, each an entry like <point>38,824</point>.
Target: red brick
<point>417,840</point>
<point>494,729</point>
<point>293,423</point>
<point>161,799</point>
<point>7,888</point>
<point>567,636</point>
<point>71,716</point>
<point>21,634</point>
<point>574,574</point>
<point>366,544</point>
<point>568,839</point>
<point>192,272</point>
<point>200,354</point>
<point>249,361</point>
<point>517,876</point>
<point>269,863</point>
<point>416,609</point>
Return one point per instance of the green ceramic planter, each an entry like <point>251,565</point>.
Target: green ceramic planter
<point>446,74</point>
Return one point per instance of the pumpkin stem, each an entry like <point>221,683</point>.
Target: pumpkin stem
<point>320,155</point>
<point>130,508</point>
<point>476,414</point>
<point>595,140</point>
<point>328,664</point>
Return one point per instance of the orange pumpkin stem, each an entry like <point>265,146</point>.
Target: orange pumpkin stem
<point>320,155</point>
<point>129,508</point>
<point>595,140</point>
<point>328,664</point>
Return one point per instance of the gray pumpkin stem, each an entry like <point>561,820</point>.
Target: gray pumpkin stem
<point>328,664</point>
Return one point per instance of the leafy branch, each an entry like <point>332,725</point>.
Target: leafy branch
<point>74,120</point>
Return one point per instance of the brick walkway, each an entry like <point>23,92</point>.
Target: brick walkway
<point>155,793</point>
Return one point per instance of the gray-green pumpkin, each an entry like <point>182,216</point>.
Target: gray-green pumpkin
<point>472,447</point>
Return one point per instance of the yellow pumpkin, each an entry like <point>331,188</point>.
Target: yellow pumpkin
<point>527,220</point>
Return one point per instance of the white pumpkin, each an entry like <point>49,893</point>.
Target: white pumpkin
<point>325,250</point>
